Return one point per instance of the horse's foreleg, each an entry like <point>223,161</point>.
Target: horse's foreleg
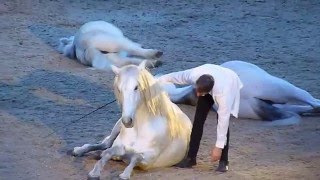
<point>106,143</point>
<point>105,156</point>
<point>303,96</point>
<point>149,157</point>
<point>114,134</point>
<point>299,109</point>
<point>183,95</point>
<point>135,159</point>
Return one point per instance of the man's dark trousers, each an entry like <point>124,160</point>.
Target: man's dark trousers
<point>204,105</point>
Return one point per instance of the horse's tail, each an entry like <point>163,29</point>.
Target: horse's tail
<point>67,47</point>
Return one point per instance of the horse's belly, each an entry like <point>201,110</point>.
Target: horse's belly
<point>99,40</point>
<point>246,109</point>
<point>257,83</point>
<point>172,155</point>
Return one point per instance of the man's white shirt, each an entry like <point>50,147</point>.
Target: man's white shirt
<point>225,92</point>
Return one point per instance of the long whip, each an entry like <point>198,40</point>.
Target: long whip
<point>83,116</point>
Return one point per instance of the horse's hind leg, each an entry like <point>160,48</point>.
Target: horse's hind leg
<point>299,109</point>
<point>105,156</point>
<point>106,143</point>
<point>136,50</point>
<point>135,159</point>
<point>122,61</point>
<point>146,53</point>
<point>303,96</point>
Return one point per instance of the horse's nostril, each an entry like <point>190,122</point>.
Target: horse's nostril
<point>127,122</point>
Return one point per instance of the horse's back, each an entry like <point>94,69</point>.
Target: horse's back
<point>260,91</point>
<point>258,83</point>
<point>246,70</point>
<point>97,34</point>
<point>100,27</point>
<point>251,76</point>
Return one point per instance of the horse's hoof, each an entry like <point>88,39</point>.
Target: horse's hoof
<point>93,178</point>
<point>72,153</point>
<point>123,177</point>
<point>158,54</point>
<point>79,151</point>
<point>75,153</point>
<point>157,63</point>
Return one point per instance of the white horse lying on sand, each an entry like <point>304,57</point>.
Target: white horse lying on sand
<point>263,96</point>
<point>100,44</point>
<point>152,132</point>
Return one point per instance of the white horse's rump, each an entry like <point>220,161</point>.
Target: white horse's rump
<point>152,131</point>
<point>100,44</point>
<point>263,96</point>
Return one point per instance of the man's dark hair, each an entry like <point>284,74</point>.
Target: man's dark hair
<point>205,83</point>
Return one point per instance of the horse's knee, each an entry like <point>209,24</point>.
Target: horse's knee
<point>114,151</point>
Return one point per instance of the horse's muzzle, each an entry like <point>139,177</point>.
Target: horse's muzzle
<point>127,122</point>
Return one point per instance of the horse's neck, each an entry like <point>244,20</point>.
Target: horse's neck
<point>143,115</point>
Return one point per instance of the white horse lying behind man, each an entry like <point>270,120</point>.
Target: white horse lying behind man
<point>100,44</point>
<point>152,132</point>
<point>263,96</point>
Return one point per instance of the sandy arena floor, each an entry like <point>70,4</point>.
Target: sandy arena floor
<point>41,90</point>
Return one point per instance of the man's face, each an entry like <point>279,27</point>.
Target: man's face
<point>200,92</point>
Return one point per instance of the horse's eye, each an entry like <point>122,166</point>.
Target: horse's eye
<point>136,88</point>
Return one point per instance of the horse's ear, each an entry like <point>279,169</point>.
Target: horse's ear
<point>142,65</point>
<point>115,69</point>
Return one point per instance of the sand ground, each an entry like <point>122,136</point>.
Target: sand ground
<point>41,91</point>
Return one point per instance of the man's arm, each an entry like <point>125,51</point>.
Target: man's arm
<point>180,77</point>
<point>224,111</point>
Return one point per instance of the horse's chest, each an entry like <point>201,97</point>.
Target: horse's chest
<point>127,136</point>
<point>146,135</point>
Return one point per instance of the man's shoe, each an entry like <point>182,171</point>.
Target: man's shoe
<point>223,166</point>
<point>186,163</point>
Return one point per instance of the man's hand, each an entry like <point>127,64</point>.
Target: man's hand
<point>216,154</point>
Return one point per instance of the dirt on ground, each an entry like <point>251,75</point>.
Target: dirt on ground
<point>42,92</point>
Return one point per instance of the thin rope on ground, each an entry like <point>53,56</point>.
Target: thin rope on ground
<point>83,117</point>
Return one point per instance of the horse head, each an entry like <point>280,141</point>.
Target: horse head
<point>128,91</point>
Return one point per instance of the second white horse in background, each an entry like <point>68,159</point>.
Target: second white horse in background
<point>100,44</point>
<point>263,96</point>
